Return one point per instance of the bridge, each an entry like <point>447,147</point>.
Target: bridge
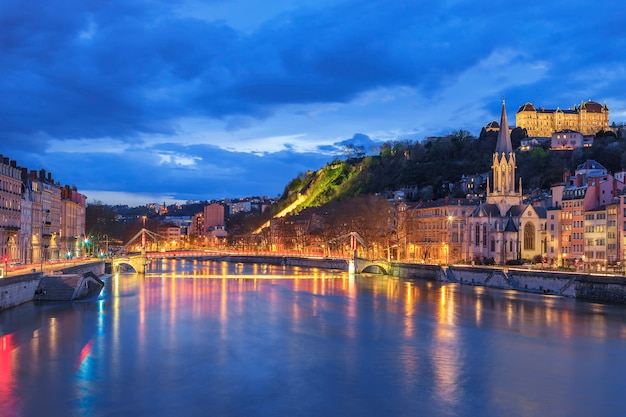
<point>365,266</point>
<point>138,262</point>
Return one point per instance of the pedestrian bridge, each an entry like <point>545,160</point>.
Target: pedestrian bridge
<point>138,262</point>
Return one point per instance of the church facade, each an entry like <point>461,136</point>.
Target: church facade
<point>496,230</point>
<point>503,228</point>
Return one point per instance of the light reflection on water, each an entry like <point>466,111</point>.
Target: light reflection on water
<point>210,338</point>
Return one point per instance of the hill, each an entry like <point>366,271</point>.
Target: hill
<point>432,168</point>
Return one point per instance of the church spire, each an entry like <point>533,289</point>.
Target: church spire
<point>503,146</point>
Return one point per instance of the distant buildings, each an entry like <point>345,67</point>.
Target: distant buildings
<point>567,140</point>
<point>587,118</point>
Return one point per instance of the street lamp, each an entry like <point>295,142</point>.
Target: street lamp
<point>448,236</point>
<point>106,245</point>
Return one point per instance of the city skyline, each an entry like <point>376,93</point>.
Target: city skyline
<point>139,102</point>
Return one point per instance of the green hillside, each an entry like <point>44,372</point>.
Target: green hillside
<point>430,168</point>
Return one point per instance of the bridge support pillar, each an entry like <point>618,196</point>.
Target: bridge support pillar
<point>351,267</point>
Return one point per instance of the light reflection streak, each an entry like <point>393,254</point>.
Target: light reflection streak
<point>409,311</point>
<point>54,338</point>
<point>446,351</point>
<point>8,358</point>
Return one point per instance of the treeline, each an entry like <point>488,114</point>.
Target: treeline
<point>433,167</point>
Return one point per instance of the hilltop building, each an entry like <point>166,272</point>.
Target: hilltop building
<point>587,118</point>
<point>567,140</point>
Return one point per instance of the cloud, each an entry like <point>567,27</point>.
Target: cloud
<point>147,94</point>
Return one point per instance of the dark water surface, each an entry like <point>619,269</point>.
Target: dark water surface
<point>216,339</point>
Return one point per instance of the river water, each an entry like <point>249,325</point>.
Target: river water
<point>218,339</point>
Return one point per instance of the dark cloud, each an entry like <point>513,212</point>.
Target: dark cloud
<point>125,69</point>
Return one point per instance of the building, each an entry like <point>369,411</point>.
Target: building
<point>577,199</point>
<point>73,207</point>
<point>595,246</point>
<point>39,220</point>
<point>10,209</point>
<point>588,118</point>
<point>502,228</point>
<point>567,140</point>
<point>434,231</point>
<point>474,186</point>
<point>214,217</point>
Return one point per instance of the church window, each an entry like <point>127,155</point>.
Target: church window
<point>529,237</point>
<point>484,234</point>
<point>477,235</point>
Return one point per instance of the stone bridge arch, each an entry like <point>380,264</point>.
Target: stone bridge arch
<point>365,266</point>
<point>137,263</point>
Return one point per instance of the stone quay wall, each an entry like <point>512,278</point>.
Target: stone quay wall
<point>528,280</point>
<point>96,267</point>
<point>600,288</point>
<point>423,271</point>
<point>21,289</point>
<point>18,289</point>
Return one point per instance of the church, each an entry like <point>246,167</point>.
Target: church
<point>503,228</point>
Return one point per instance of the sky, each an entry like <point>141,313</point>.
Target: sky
<point>144,101</point>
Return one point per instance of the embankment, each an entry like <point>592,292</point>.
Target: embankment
<point>600,288</point>
<point>78,281</point>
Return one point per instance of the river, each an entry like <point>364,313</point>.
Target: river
<point>219,339</point>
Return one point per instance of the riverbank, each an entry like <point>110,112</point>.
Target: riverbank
<point>583,286</point>
<point>65,284</point>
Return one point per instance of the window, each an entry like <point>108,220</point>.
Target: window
<point>485,235</point>
<point>529,236</point>
<point>493,245</point>
<point>477,233</point>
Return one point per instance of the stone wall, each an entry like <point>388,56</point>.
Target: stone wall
<point>18,290</point>
<point>96,267</point>
<point>423,271</point>
<point>538,281</point>
<point>601,288</point>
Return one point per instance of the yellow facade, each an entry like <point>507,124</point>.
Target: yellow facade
<point>587,118</point>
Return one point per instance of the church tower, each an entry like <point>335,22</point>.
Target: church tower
<point>503,192</point>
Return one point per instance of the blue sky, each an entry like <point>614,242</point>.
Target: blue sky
<point>137,101</point>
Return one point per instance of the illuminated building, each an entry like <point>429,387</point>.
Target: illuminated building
<point>588,118</point>
<point>502,228</point>
<point>10,199</point>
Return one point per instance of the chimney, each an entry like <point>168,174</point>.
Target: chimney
<point>42,174</point>
<point>24,174</point>
<point>14,164</point>
<point>579,180</point>
<point>33,175</point>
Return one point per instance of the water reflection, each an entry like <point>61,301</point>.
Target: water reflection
<point>210,338</point>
